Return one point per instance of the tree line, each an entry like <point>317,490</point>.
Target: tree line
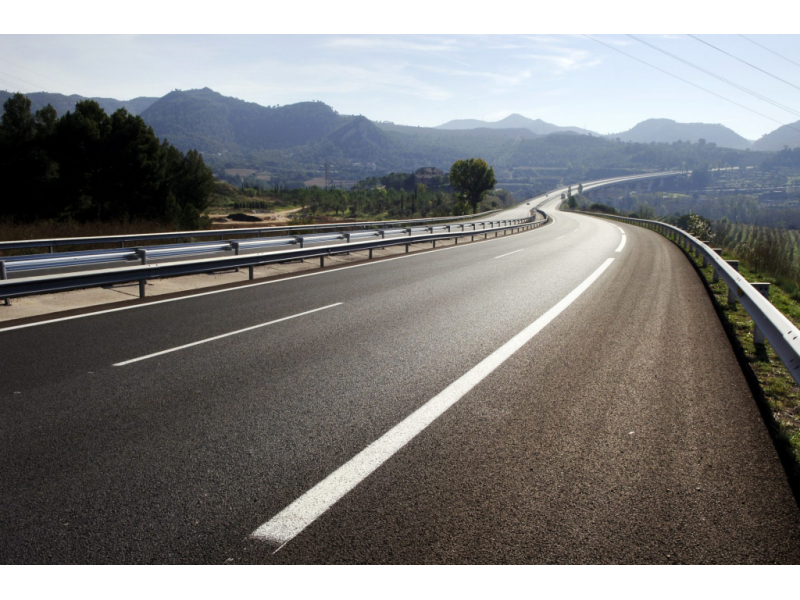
<point>468,187</point>
<point>91,166</point>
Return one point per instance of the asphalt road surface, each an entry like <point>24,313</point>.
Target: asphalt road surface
<point>564,395</point>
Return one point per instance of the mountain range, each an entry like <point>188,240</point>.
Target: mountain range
<point>293,142</point>
<point>208,120</point>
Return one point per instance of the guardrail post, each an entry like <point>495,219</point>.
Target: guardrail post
<point>3,276</point>
<point>715,277</point>
<point>235,246</point>
<point>250,272</point>
<point>321,262</point>
<point>758,336</point>
<point>700,252</point>
<point>299,240</point>
<point>407,246</point>
<point>382,233</point>
<point>346,237</point>
<point>408,231</point>
<point>142,282</point>
<point>731,291</point>
<point>370,253</point>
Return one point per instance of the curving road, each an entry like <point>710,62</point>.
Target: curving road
<point>565,395</point>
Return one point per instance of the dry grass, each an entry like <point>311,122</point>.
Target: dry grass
<point>51,229</point>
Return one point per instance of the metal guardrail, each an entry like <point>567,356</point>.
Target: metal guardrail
<point>32,262</point>
<point>769,323</point>
<point>53,243</point>
<point>70,281</point>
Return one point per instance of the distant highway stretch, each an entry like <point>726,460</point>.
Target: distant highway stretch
<point>564,395</point>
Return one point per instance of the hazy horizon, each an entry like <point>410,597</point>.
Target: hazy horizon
<point>428,80</point>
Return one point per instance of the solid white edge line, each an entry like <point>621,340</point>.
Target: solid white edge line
<point>510,253</point>
<point>252,285</point>
<point>621,230</point>
<point>224,335</point>
<point>293,519</point>
<point>621,244</point>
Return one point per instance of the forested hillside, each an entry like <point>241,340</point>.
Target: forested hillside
<point>215,124</point>
<point>89,166</point>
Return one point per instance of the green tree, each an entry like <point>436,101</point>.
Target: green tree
<point>472,178</point>
<point>25,165</point>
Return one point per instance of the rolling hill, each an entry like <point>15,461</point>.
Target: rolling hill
<point>786,135</point>
<point>514,121</point>
<point>668,131</point>
<point>214,124</point>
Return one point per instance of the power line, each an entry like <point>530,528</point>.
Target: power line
<point>707,72</point>
<point>21,79</point>
<point>16,86</point>
<point>690,83</point>
<point>694,37</point>
<point>32,71</point>
<point>768,50</point>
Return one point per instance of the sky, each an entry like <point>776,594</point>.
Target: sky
<point>428,79</point>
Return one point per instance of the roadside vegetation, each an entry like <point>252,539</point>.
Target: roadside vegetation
<point>781,395</point>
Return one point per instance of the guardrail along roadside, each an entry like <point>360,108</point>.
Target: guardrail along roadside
<point>221,234</point>
<point>145,269</point>
<point>769,324</point>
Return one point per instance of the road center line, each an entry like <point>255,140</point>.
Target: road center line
<point>510,253</point>
<point>621,244</point>
<point>224,335</point>
<point>293,519</point>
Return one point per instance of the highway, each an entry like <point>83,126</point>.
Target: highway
<point>564,395</point>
